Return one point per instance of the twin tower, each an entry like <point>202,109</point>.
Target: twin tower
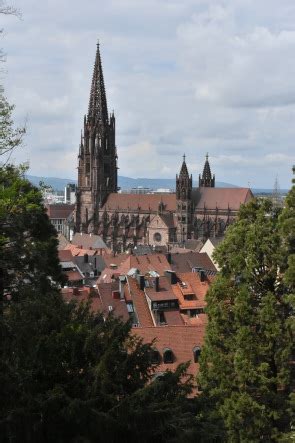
<point>97,168</point>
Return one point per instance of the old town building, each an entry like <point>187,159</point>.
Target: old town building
<point>126,220</point>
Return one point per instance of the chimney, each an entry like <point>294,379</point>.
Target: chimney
<point>157,284</point>
<point>116,295</point>
<point>169,257</point>
<point>171,277</point>
<point>85,258</point>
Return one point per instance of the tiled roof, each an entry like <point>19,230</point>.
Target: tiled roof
<point>83,294</point>
<point>110,258</point>
<point>221,198</point>
<point>108,275</point>
<point>93,262</point>
<point>193,283</point>
<point>65,255</point>
<point>165,291</point>
<point>182,262</point>
<point>145,264</point>
<point>142,202</point>
<point>62,241</point>
<point>73,275</point>
<point>88,241</point>
<point>76,251</point>
<point>118,307</point>
<point>59,210</point>
<point>180,339</point>
<point>210,197</point>
<point>173,318</point>
<point>140,303</point>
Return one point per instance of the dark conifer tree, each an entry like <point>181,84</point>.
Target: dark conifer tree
<point>246,363</point>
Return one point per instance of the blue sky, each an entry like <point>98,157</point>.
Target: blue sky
<point>191,76</point>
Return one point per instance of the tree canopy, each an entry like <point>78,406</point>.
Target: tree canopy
<point>246,363</point>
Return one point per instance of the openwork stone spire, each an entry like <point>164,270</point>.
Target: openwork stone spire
<point>207,180</point>
<point>183,170</point>
<point>98,102</point>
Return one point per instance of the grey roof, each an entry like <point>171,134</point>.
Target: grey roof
<point>142,250</point>
<point>94,262</point>
<point>88,241</point>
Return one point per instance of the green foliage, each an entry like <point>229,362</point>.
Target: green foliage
<point>28,241</point>
<point>245,363</point>
<point>10,137</point>
<point>67,375</point>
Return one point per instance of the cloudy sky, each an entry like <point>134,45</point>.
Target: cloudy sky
<point>191,76</point>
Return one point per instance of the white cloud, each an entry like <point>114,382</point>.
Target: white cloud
<point>190,76</point>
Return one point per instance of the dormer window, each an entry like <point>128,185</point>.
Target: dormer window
<point>197,353</point>
<point>155,356</point>
<point>168,356</point>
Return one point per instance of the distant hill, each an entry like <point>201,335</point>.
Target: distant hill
<point>125,183</point>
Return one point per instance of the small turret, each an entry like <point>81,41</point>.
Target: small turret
<point>206,180</point>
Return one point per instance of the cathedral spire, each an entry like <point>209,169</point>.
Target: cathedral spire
<point>97,103</point>
<point>207,180</point>
<point>183,170</point>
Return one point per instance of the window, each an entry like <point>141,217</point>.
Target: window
<point>157,237</point>
<point>155,356</point>
<point>130,307</point>
<point>162,319</point>
<point>197,353</point>
<point>168,356</point>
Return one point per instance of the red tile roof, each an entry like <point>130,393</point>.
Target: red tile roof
<point>118,306</point>
<point>194,286</point>
<point>83,294</point>
<point>142,202</point>
<point>221,197</point>
<point>78,251</point>
<point>180,339</point>
<point>145,264</point>
<point>65,255</point>
<point>73,275</point>
<point>165,291</point>
<point>59,210</point>
<point>140,303</point>
<point>173,318</point>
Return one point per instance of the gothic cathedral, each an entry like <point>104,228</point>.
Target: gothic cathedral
<point>160,219</point>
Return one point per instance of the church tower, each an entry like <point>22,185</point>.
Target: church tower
<point>207,180</point>
<point>97,168</point>
<point>184,185</point>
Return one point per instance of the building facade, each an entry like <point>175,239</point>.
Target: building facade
<point>126,220</point>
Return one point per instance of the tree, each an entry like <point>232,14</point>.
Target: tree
<point>10,138</point>
<point>67,375</point>
<point>246,370</point>
<point>28,241</point>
